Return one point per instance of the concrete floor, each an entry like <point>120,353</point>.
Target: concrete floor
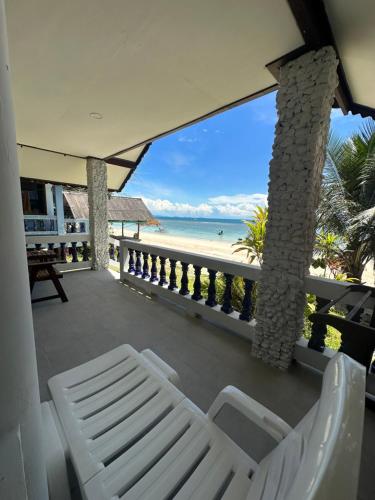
<point>102,313</point>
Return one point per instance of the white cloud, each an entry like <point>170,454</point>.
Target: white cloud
<point>238,199</point>
<point>160,206</point>
<point>237,206</point>
<point>149,188</point>
<point>269,118</point>
<point>187,139</point>
<point>336,113</point>
<point>178,160</point>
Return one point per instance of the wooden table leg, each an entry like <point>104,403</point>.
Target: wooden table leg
<point>58,286</point>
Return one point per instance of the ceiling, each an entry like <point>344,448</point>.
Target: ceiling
<point>148,68</point>
<point>58,168</point>
<point>353,26</point>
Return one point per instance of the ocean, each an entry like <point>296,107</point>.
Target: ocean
<point>192,227</point>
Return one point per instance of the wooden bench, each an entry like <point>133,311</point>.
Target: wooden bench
<point>46,271</point>
<point>132,434</point>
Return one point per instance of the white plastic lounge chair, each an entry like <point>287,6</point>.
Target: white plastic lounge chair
<point>131,434</point>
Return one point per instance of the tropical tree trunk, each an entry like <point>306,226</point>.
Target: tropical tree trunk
<point>354,270</point>
<point>355,261</point>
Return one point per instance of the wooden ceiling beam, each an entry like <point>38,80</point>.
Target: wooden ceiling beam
<point>313,23</point>
<point>121,162</point>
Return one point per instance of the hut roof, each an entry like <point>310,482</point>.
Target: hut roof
<point>120,208</point>
<point>130,209</point>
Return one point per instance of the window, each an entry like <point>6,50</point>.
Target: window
<point>33,198</point>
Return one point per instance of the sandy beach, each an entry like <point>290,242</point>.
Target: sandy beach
<point>216,248</point>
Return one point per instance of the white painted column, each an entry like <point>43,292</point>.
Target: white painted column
<point>304,103</point>
<point>98,212</point>
<point>19,391</point>
<point>59,201</point>
<point>49,200</point>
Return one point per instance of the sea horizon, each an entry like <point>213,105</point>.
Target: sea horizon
<point>207,228</point>
<point>224,219</point>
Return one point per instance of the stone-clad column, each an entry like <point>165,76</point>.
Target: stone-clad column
<point>98,212</point>
<point>304,103</point>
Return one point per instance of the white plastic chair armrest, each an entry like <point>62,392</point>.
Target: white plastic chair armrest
<point>251,409</point>
<point>161,366</point>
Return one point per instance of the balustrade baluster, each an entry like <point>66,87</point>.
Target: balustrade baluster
<point>112,251</point>
<point>211,292</point>
<point>74,252</point>
<point>63,251</point>
<point>184,289</point>
<point>227,302</point>
<point>247,303</point>
<point>145,273</point>
<point>318,329</point>
<point>154,269</point>
<point>138,263</point>
<point>85,251</point>
<point>131,268</point>
<point>197,283</point>
<point>163,274</point>
<point>172,275</point>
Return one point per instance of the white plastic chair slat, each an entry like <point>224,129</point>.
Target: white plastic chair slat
<point>214,479</point>
<point>118,389</point>
<point>120,410</point>
<point>83,451</point>
<point>94,367</point>
<point>238,487</point>
<point>276,471</point>
<point>86,389</point>
<point>200,474</point>
<point>145,452</point>
<point>160,481</point>
<point>108,444</point>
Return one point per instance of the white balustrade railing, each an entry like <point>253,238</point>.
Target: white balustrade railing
<point>157,283</point>
<point>57,239</point>
<point>75,244</point>
<point>153,269</point>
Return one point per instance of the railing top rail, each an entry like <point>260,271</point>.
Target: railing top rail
<point>63,238</point>
<point>216,263</point>
<point>321,287</point>
<point>332,289</point>
<point>39,217</point>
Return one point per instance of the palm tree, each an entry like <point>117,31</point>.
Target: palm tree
<point>347,206</point>
<point>256,232</point>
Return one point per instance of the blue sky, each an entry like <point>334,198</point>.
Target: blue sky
<point>218,167</point>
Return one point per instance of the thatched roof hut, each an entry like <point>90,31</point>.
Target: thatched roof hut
<point>120,208</point>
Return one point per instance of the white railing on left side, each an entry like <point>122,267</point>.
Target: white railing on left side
<point>76,244</point>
